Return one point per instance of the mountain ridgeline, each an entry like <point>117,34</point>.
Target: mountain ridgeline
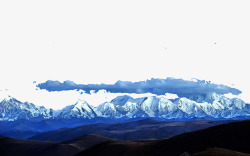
<point>210,106</point>
<point>229,139</point>
<point>135,130</point>
<point>211,141</point>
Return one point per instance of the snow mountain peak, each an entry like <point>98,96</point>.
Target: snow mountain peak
<point>81,109</point>
<point>121,100</point>
<point>209,106</point>
<point>11,109</point>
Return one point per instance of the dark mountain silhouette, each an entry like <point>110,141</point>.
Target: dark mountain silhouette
<point>86,141</point>
<point>14,147</point>
<point>225,139</point>
<point>23,129</point>
<point>136,130</point>
<point>19,134</point>
<point>219,152</point>
<point>232,136</point>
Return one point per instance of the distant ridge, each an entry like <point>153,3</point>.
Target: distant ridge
<point>232,136</point>
<point>86,141</point>
<point>136,130</point>
<point>14,147</point>
<point>122,108</point>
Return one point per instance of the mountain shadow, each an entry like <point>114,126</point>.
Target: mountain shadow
<point>136,130</point>
<point>232,136</point>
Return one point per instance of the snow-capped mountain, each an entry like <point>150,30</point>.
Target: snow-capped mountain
<point>121,106</point>
<point>11,109</point>
<point>211,105</point>
<point>125,107</point>
<point>79,110</point>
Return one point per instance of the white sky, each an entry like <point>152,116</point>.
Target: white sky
<point>133,40</point>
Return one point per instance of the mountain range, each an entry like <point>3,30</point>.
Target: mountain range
<point>230,139</point>
<point>120,121</point>
<point>222,140</point>
<point>210,106</point>
<point>14,147</point>
<point>135,130</point>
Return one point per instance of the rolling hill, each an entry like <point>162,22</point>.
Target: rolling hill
<point>136,130</point>
<point>232,136</point>
<point>14,147</point>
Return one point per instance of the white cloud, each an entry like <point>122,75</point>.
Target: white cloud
<point>105,41</point>
<point>171,96</point>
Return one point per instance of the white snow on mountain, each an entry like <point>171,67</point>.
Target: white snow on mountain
<point>125,107</point>
<point>81,109</point>
<point>12,109</point>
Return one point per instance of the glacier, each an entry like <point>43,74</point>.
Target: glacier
<point>209,106</point>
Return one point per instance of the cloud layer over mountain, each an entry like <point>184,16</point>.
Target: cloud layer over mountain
<point>180,87</point>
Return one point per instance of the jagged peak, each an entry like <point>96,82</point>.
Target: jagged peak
<point>106,105</point>
<point>126,106</point>
<point>122,97</point>
<point>80,102</point>
<point>121,100</point>
<point>9,98</point>
<point>209,97</point>
<point>183,100</point>
<point>213,95</point>
<point>12,100</point>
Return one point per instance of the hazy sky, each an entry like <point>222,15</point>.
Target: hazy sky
<point>93,42</point>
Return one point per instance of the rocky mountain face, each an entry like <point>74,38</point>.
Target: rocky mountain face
<point>11,109</point>
<point>79,110</point>
<point>211,105</point>
<point>125,107</point>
